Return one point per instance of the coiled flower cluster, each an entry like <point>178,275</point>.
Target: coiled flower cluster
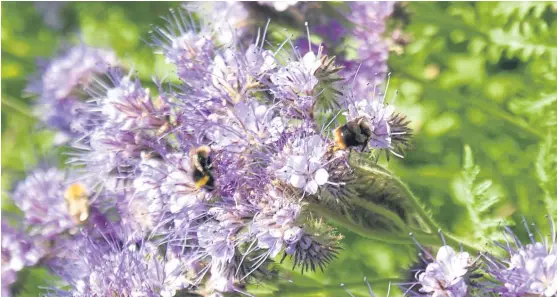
<point>196,186</point>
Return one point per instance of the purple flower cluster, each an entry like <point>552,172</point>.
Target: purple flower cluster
<point>446,276</point>
<point>369,20</point>
<point>107,267</point>
<point>18,251</point>
<point>528,269</point>
<point>195,187</point>
<point>357,39</point>
<point>59,88</point>
<point>523,270</point>
<point>41,198</point>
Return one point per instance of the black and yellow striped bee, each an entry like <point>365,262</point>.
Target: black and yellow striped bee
<point>353,134</point>
<point>201,164</point>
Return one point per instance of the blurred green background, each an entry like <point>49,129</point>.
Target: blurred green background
<point>482,75</point>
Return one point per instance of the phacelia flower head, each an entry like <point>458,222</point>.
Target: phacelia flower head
<point>130,106</point>
<point>305,166</point>
<point>528,269</point>
<point>228,19</point>
<point>59,88</point>
<point>186,44</point>
<point>239,73</point>
<point>112,268</point>
<point>369,19</point>
<point>446,276</point>
<point>128,121</point>
<point>297,78</point>
<point>48,200</point>
<point>18,251</point>
<point>218,170</point>
<point>374,118</point>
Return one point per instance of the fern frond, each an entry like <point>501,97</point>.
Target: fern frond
<point>519,10</point>
<point>546,169</point>
<point>480,198</point>
<point>540,108</point>
<point>526,40</point>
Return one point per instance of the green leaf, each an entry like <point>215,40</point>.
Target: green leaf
<point>480,198</point>
<point>546,169</point>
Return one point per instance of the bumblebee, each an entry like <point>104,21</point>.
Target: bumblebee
<point>201,164</point>
<point>77,199</point>
<point>353,134</point>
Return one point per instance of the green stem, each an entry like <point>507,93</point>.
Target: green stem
<point>376,235</point>
<point>381,211</point>
<point>424,238</point>
<point>17,106</point>
<point>432,224</point>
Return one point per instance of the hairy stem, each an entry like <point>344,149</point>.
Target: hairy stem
<point>420,208</point>
<point>388,237</point>
<point>381,211</point>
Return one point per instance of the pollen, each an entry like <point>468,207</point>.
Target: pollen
<point>77,200</point>
<point>339,140</point>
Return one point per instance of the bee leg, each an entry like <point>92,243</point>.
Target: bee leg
<point>364,146</point>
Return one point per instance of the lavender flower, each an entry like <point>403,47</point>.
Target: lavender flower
<point>369,21</point>
<point>58,84</point>
<point>268,155</point>
<point>105,268</point>
<point>389,130</point>
<point>41,197</point>
<point>18,251</point>
<point>446,276</point>
<point>528,270</point>
<point>305,166</point>
<point>227,18</point>
<point>128,121</point>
